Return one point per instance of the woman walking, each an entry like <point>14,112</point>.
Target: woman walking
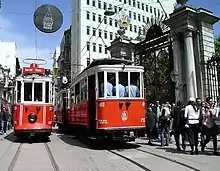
<point>192,124</point>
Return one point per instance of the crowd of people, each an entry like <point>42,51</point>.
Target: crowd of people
<point>197,118</point>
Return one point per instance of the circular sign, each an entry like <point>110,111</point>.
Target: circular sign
<point>48,18</point>
<point>124,116</point>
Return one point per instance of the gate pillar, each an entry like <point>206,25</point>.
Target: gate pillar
<point>195,30</point>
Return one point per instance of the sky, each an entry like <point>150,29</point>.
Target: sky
<point>16,24</point>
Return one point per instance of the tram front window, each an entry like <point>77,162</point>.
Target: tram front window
<point>122,83</point>
<point>37,91</point>
<point>134,85</point>
<point>27,91</point>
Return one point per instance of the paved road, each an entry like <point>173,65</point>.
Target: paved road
<point>69,154</point>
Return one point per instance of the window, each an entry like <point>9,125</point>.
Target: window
<point>100,33</point>
<point>100,48</point>
<point>134,16</point>
<point>148,20</point>
<point>125,1</point>
<point>105,20</point>
<point>155,11</point>
<point>28,91</point>
<point>130,14</point>
<point>142,5</point>
<point>134,3</point>
<point>93,16</point>
<point>106,49</point>
<point>93,31</point>
<point>100,18</point>
<point>130,27</point>
<point>111,83</point>
<point>143,18</point>
<point>38,91</point>
<point>115,7</point>
<point>129,2</point>
<point>72,95</point>
<point>111,35</point>
<point>99,4</point>
<point>122,84</point>
<point>77,93</point>
<point>135,29</point>
<point>116,23</point>
<point>105,35</point>
<point>138,5</point>
<point>93,3</point>
<point>134,90</point>
<point>139,17</point>
<point>88,46</point>
<point>116,35</point>
<point>83,85</point>
<point>158,12</point>
<point>94,47</point>
<point>151,9</point>
<point>87,15</point>
<point>101,82</point>
<point>87,2</point>
<point>18,91</point>
<point>105,6</point>
<point>47,92</point>
<point>88,30</point>
<point>110,21</point>
<point>147,8</point>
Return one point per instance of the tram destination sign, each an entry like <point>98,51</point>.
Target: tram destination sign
<point>48,18</point>
<point>33,69</point>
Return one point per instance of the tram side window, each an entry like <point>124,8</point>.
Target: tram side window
<point>83,84</point>
<point>27,91</point>
<point>47,91</point>
<point>111,82</point>
<point>77,93</point>
<point>37,91</point>
<point>19,91</point>
<point>101,84</point>
<point>122,84</point>
<point>72,96</point>
<point>134,84</point>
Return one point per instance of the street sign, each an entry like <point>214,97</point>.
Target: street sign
<point>48,18</point>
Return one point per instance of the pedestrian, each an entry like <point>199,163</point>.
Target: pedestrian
<point>179,125</point>
<point>151,124</point>
<point>192,124</point>
<point>165,125</point>
<point>4,119</point>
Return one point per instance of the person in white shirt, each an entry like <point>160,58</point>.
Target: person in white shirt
<point>192,124</point>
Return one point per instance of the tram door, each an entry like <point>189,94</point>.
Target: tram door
<point>92,102</point>
<point>64,113</point>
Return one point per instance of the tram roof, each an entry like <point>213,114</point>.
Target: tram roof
<point>108,61</point>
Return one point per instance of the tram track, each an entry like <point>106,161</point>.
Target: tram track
<point>130,160</point>
<point>52,160</point>
<point>15,158</point>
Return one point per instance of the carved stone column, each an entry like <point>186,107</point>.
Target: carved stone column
<point>190,72</point>
<point>177,70</point>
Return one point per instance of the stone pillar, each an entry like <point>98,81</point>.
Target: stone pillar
<point>190,65</point>
<point>177,67</point>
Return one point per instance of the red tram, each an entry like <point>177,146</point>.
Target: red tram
<point>34,106</point>
<point>105,101</point>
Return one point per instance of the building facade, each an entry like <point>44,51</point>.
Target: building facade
<point>64,59</point>
<point>8,56</point>
<point>92,32</point>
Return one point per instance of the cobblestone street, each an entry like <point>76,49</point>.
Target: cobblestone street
<point>65,153</point>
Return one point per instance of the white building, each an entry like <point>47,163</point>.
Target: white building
<point>87,15</point>
<point>56,55</point>
<point>8,56</point>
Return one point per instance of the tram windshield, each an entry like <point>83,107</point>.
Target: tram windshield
<point>120,84</point>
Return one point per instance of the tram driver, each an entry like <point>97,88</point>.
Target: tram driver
<point>110,80</point>
<point>121,87</point>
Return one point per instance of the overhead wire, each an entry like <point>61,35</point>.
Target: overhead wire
<point>35,33</point>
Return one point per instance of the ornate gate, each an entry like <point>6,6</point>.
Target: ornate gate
<point>155,54</point>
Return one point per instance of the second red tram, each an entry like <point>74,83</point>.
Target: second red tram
<point>105,101</point>
<point>34,106</point>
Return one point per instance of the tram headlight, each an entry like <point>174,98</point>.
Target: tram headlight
<point>32,117</point>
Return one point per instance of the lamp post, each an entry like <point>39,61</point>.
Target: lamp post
<point>2,84</point>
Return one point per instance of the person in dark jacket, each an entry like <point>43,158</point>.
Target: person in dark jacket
<point>179,125</point>
<point>4,119</point>
<point>151,124</point>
